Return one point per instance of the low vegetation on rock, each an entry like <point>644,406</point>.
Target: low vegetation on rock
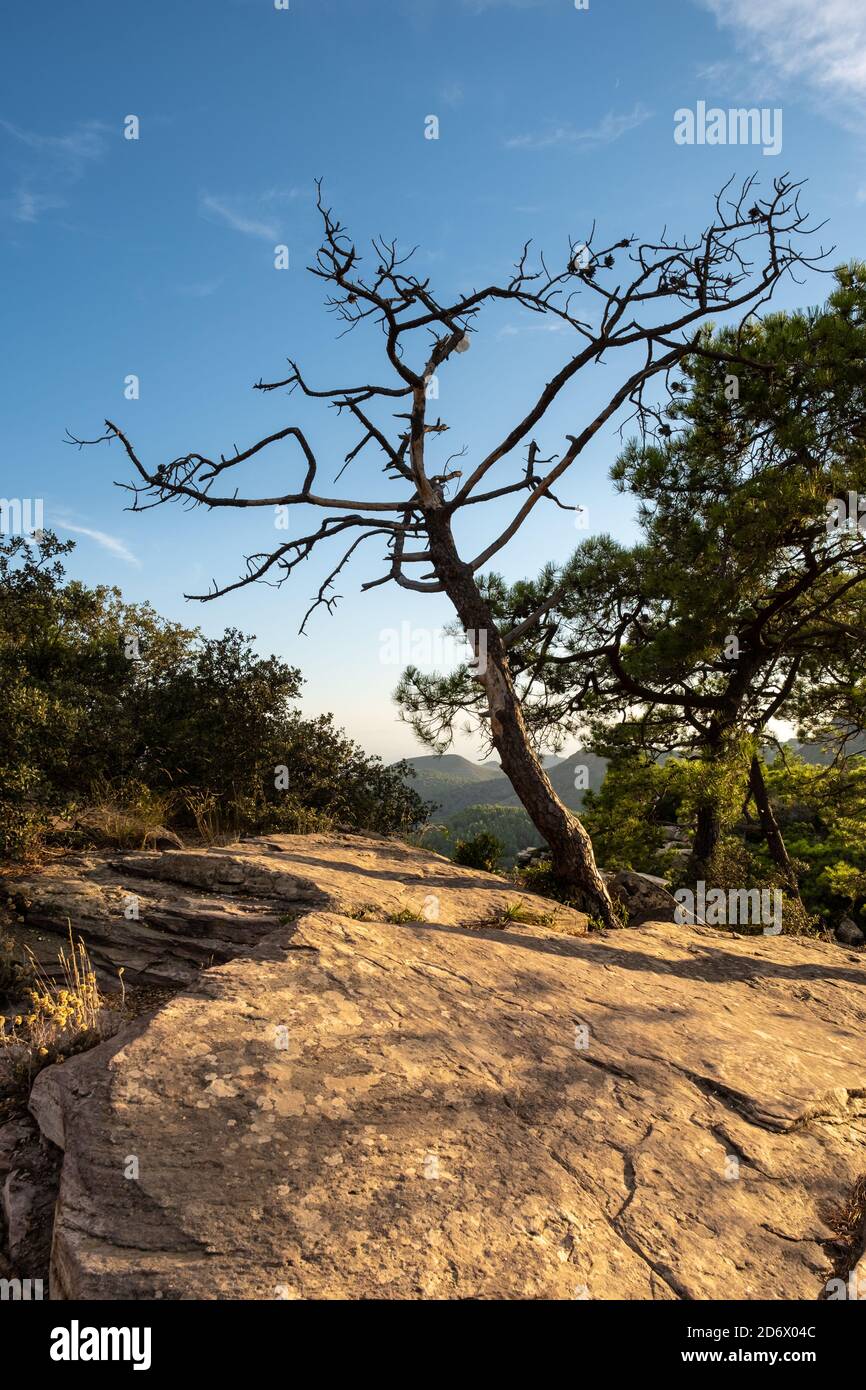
<point>119,725</point>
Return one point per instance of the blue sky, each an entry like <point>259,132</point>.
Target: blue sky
<point>155,257</point>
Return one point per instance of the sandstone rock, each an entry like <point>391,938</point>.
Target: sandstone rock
<point>197,908</point>
<point>644,897</point>
<point>525,857</point>
<point>675,835</point>
<point>175,935</point>
<point>29,1175</point>
<point>365,1108</point>
<point>849,933</point>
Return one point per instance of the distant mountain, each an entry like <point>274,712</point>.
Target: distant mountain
<point>549,760</point>
<point>451,765</point>
<point>815,753</point>
<point>564,777</point>
<point>454,783</point>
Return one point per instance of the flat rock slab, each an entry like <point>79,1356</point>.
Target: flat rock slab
<point>373,1109</point>
<point>164,917</point>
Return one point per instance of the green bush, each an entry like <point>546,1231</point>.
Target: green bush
<point>624,816</point>
<point>22,831</point>
<point>509,824</point>
<point>129,721</point>
<point>483,851</point>
<point>538,877</point>
<point>821,811</point>
<point>822,814</point>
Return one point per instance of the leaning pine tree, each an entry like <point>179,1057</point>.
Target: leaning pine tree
<point>646,297</point>
<point>743,602</point>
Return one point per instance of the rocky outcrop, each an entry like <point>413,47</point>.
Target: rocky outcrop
<point>533,854</point>
<point>164,917</point>
<point>29,1175</point>
<point>466,1106</point>
<point>644,897</point>
<point>849,933</point>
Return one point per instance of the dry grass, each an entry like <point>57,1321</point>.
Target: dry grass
<point>124,816</point>
<point>366,912</point>
<point>849,1222</point>
<point>65,1016</point>
<point>522,912</point>
<point>218,822</point>
<point>406,914</point>
<point>211,824</point>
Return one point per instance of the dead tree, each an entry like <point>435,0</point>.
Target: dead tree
<point>647,298</point>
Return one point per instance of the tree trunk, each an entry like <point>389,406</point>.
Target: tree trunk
<point>770,826</point>
<point>708,832</point>
<point>570,845</point>
<point>708,820</point>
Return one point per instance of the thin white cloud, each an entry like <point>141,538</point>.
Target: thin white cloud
<point>223,211</point>
<point>83,144</point>
<point>721,71</point>
<point>821,42</point>
<point>510,330</point>
<point>27,205</point>
<point>49,165</point>
<point>110,543</point>
<point>611,127</point>
<point>285,195</point>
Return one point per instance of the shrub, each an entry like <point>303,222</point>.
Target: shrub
<point>822,812</point>
<point>623,816</point>
<point>134,722</point>
<point>733,866</point>
<point>15,975</point>
<point>64,1017</point>
<point>520,912</point>
<point>405,914</point>
<point>22,831</point>
<point>509,824</point>
<point>483,851</point>
<point>538,877</point>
